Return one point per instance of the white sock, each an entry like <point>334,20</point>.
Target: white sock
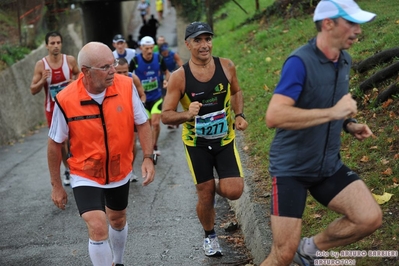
<point>118,241</point>
<point>100,253</point>
<point>310,247</point>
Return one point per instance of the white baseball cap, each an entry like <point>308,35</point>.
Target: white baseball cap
<point>147,40</point>
<point>347,9</point>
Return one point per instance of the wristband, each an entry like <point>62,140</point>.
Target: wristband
<point>149,156</point>
<point>240,114</point>
<point>346,122</point>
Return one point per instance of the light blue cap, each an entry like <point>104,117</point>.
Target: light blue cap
<point>347,9</point>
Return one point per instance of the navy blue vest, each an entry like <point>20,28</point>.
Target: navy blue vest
<point>150,77</point>
<point>313,151</point>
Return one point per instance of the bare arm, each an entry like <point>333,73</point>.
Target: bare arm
<point>237,100</point>
<point>281,113</point>
<point>167,75</point>
<point>139,87</point>
<point>359,131</point>
<point>145,138</point>
<point>54,157</point>
<point>166,79</point>
<point>40,76</point>
<point>169,115</point>
<point>74,66</point>
<point>178,60</point>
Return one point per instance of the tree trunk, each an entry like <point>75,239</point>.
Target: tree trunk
<point>383,96</point>
<point>381,75</point>
<point>379,58</point>
<point>209,13</point>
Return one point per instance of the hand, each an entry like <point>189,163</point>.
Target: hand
<point>345,107</point>
<point>148,171</point>
<point>45,75</point>
<point>194,108</point>
<point>241,123</point>
<point>59,197</point>
<point>359,131</point>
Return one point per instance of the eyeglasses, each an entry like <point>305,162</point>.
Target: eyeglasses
<point>104,68</point>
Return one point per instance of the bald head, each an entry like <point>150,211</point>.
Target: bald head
<point>93,53</point>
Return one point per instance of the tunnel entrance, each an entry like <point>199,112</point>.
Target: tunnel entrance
<point>102,20</point>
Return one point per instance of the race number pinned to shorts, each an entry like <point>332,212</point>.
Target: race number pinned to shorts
<point>56,88</point>
<point>212,125</point>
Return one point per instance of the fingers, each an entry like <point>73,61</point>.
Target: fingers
<point>147,172</point>
<point>60,198</point>
<point>241,124</point>
<point>194,108</point>
<point>61,204</point>
<point>361,131</point>
<point>148,178</point>
<point>345,107</point>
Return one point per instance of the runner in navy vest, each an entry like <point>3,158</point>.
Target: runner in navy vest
<point>150,68</point>
<point>310,107</point>
<point>172,61</point>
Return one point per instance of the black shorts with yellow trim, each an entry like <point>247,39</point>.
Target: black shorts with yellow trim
<point>203,159</point>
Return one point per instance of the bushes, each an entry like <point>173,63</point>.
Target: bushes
<point>10,54</point>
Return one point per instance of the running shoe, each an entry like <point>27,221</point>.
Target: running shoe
<point>157,152</point>
<point>211,246</point>
<point>133,178</point>
<point>67,177</point>
<point>301,258</point>
<point>173,126</point>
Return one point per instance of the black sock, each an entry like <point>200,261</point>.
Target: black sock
<point>211,232</point>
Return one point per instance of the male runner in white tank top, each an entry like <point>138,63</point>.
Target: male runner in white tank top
<point>53,73</point>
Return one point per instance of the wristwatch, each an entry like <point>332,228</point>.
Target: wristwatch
<point>153,157</point>
<point>240,114</point>
<point>346,122</point>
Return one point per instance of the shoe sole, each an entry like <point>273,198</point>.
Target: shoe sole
<point>217,254</point>
<point>298,260</point>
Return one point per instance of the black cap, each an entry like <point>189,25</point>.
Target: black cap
<point>197,28</point>
<point>118,38</point>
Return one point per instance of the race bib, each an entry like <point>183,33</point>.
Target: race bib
<point>212,125</point>
<point>56,88</point>
<point>150,84</point>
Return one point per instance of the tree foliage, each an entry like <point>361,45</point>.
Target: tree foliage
<point>196,10</point>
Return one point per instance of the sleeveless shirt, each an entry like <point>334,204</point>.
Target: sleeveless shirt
<point>58,80</point>
<point>214,122</point>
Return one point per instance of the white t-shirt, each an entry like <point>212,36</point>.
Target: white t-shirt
<point>129,54</point>
<point>59,133</point>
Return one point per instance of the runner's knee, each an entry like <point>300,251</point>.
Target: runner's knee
<point>372,221</point>
<point>231,192</point>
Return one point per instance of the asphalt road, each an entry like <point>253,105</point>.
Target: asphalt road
<point>163,226</point>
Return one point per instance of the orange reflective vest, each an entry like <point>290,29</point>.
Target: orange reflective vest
<point>101,136</point>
